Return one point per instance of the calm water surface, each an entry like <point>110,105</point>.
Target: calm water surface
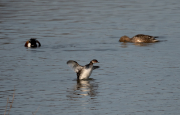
<point>133,79</point>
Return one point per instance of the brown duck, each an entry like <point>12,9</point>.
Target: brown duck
<point>140,38</point>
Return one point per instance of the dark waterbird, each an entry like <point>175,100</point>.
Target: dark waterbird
<point>32,43</point>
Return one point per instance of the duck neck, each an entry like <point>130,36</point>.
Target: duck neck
<point>91,63</point>
<point>130,39</point>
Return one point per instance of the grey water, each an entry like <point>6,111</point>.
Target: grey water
<point>133,79</point>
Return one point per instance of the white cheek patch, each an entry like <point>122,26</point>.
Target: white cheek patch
<point>29,45</point>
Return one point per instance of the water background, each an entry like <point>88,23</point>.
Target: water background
<point>133,79</point>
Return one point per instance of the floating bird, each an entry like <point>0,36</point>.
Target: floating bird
<point>140,38</point>
<point>83,72</point>
<point>32,43</point>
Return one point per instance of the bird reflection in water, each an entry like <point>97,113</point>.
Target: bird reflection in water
<point>124,45</point>
<point>85,88</point>
<point>143,44</point>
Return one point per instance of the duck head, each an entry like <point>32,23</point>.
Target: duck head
<point>124,39</point>
<point>94,61</point>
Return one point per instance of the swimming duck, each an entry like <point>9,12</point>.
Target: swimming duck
<point>140,38</point>
<point>32,43</point>
<point>83,72</point>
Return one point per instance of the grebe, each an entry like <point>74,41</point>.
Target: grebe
<point>83,72</point>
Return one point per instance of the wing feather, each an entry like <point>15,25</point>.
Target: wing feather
<point>74,65</point>
<point>95,67</point>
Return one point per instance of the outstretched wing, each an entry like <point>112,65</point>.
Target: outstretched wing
<point>74,65</point>
<point>95,67</point>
